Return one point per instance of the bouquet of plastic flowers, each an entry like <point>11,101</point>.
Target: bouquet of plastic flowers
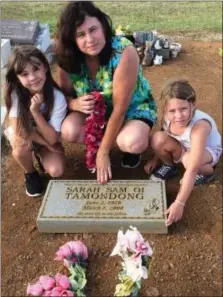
<point>136,255</point>
<point>74,255</point>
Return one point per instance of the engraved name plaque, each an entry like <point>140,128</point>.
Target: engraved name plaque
<point>85,206</point>
<point>19,32</point>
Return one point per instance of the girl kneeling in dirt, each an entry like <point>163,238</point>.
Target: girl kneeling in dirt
<point>35,111</point>
<point>189,136</point>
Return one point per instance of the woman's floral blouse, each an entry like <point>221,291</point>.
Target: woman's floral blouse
<point>142,104</point>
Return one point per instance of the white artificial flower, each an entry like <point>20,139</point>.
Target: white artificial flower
<point>134,268</point>
<point>133,236</point>
<point>121,246</point>
<point>136,242</point>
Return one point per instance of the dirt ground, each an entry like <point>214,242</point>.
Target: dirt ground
<point>187,261</point>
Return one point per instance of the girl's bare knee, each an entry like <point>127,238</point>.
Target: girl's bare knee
<point>55,171</point>
<point>72,127</point>
<point>70,133</point>
<point>158,139</point>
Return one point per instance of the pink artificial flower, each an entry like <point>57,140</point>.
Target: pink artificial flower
<point>47,293</point>
<point>144,249</point>
<point>137,243</point>
<point>51,286</point>
<point>62,281</point>
<point>63,252</point>
<point>69,252</point>
<point>132,241</point>
<point>35,289</point>
<point>67,293</point>
<point>47,282</point>
<point>78,248</point>
<point>133,236</point>
<point>58,291</point>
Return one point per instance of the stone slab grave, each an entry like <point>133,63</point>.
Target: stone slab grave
<point>19,32</point>
<point>84,206</point>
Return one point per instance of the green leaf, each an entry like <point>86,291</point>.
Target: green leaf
<point>145,261</point>
<point>74,284</point>
<point>80,270</point>
<point>139,284</point>
<point>79,293</point>
<point>82,283</point>
<point>135,291</point>
<point>73,270</point>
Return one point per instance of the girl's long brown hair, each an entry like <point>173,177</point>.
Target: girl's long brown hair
<point>180,89</point>
<point>17,62</point>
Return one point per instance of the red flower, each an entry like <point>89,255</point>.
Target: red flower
<point>94,130</point>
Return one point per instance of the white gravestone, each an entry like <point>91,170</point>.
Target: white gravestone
<point>5,51</point>
<point>43,40</point>
<point>85,206</point>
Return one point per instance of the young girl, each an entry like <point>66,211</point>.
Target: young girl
<point>189,136</point>
<point>35,111</point>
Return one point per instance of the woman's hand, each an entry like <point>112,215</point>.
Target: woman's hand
<point>103,167</point>
<point>151,165</point>
<point>174,212</point>
<point>36,102</point>
<point>84,104</point>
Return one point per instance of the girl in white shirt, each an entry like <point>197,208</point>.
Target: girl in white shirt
<point>189,136</point>
<point>35,111</point>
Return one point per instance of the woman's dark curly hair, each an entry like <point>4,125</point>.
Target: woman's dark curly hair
<point>69,57</point>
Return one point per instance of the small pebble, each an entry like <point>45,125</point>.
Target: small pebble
<point>152,291</point>
<point>165,267</point>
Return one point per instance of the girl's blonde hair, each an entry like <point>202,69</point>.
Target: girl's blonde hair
<point>180,89</point>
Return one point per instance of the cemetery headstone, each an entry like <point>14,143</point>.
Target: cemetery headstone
<point>19,32</point>
<point>85,206</point>
<point>43,41</point>
<point>5,51</point>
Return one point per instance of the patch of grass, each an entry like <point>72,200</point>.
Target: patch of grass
<point>165,17</point>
